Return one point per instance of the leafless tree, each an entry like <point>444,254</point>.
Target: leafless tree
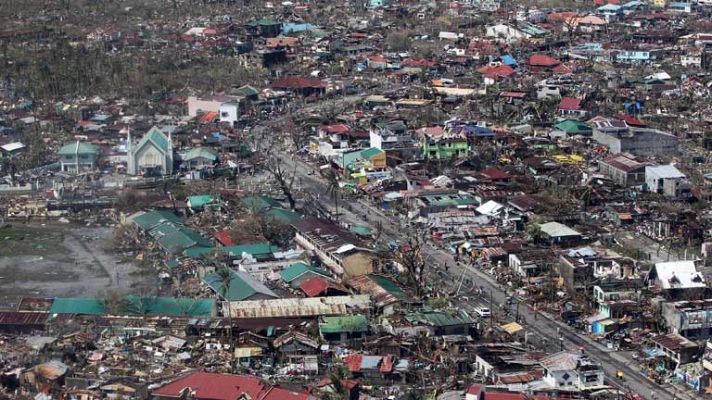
<point>409,255</point>
<point>284,179</point>
<point>114,301</point>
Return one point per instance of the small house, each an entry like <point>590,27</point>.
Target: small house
<point>77,157</point>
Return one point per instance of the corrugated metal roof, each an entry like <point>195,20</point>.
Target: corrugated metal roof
<point>555,229</point>
<point>344,323</point>
<point>241,286</point>
<point>23,318</point>
<point>298,307</point>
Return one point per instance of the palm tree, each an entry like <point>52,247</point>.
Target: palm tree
<point>534,232</point>
<point>332,189</point>
<point>225,276</point>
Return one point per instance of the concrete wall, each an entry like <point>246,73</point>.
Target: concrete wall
<point>196,104</point>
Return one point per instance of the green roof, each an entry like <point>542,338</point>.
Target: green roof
<point>438,318</point>
<point>150,219</point>
<point>264,22</point>
<point>373,151</point>
<point>283,215</point>
<point>272,208</point>
<point>200,152</point>
<point>172,306</point>
<point>78,305</point>
<point>294,271</point>
<point>198,202</point>
<point>388,285</point>
<point>197,252</point>
<point>344,323</point>
<point>349,160</point>
<point>246,91</point>
<point>155,136</point>
<point>134,305</point>
<point>255,249</point>
<point>571,126</point>
<point>176,238</point>
<point>260,202</point>
<point>450,199</point>
<point>242,286</point>
<point>78,148</point>
<point>361,230</point>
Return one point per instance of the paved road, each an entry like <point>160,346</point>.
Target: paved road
<point>539,326</point>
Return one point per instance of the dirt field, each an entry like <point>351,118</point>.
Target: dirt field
<point>57,261</point>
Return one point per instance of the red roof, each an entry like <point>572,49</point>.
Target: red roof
<point>386,364</point>
<point>630,120</point>
<point>314,286</point>
<point>518,95</point>
<point>278,393</point>
<point>418,63</point>
<point>335,128</point>
<point>296,82</point>
<point>562,69</point>
<point>474,390</point>
<point>541,60</point>
<point>570,103</point>
<point>501,71</point>
<point>504,396</point>
<point>208,117</point>
<point>495,174</point>
<point>210,386</point>
<point>560,16</point>
<point>223,237</point>
<point>354,362</point>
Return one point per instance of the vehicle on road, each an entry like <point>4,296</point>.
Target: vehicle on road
<point>483,312</point>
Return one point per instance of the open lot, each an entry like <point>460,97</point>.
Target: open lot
<point>53,260</point>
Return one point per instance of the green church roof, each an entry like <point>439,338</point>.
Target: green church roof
<point>155,136</point>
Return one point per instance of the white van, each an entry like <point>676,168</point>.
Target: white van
<point>483,311</point>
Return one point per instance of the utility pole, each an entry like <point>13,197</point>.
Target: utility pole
<point>491,310</point>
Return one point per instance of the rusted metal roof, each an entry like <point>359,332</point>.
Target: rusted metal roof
<point>23,318</point>
<point>298,307</point>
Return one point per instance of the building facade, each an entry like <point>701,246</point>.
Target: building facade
<point>152,155</point>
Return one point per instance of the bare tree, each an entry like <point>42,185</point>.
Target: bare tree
<point>409,255</point>
<point>284,179</point>
<point>114,301</point>
<point>297,135</point>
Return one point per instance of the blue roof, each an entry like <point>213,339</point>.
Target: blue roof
<point>609,7</point>
<point>478,131</point>
<point>508,60</point>
<point>632,4</point>
<point>291,27</point>
<point>100,117</point>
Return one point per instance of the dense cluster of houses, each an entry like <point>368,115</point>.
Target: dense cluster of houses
<point>560,154</point>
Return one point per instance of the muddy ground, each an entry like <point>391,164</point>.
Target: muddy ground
<point>60,261</point>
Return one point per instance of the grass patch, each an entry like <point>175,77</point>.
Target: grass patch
<point>22,240</point>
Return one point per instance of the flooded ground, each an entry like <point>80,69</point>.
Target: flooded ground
<point>59,261</point>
